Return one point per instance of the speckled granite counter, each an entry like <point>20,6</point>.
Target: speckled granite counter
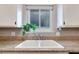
<point>70,45</point>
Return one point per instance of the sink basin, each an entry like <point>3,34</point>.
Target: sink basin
<point>39,44</point>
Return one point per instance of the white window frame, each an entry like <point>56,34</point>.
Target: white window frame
<point>40,7</point>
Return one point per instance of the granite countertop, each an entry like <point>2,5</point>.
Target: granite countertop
<point>70,45</point>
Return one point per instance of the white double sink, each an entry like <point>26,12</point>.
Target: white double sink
<point>39,44</point>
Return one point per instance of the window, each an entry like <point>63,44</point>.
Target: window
<point>41,16</point>
<point>45,18</point>
<point>34,17</point>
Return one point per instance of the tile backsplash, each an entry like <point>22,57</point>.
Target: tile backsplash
<point>18,32</point>
<point>10,32</point>
<point>73,31</point>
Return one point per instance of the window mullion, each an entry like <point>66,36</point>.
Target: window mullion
<point>29,16</point>
<point>39,18</point>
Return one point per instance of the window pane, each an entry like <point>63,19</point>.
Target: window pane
<point>34,17</point>
<point>45,18</point>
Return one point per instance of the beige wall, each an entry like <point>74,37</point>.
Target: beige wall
<point>71,14</point>
<point>5,31</point>
<point>71,17</point>
<point>63,32</point>
<point>8,15</point>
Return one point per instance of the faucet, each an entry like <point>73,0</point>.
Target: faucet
<point>37,36</point>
